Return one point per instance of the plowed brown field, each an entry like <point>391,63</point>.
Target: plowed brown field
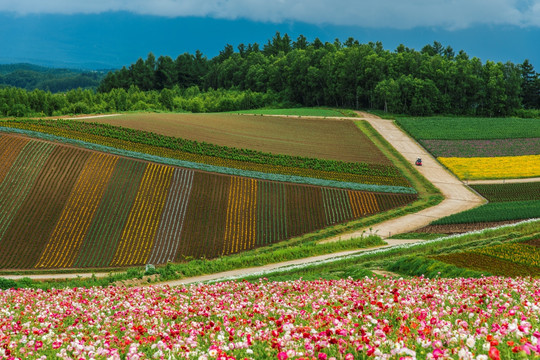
<point>316,138</point>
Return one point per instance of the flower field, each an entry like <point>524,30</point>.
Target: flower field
<point>374,168</point>
<point>503,167</point>
<point>480,148</point>
<point>516,252</point>
<point>418,318</point>
<point>65,207</point>
<point>509,259</point>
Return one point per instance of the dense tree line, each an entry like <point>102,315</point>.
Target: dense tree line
<point>350,74</point>
<point>290,73</point>
<point>30,77</point>
<point>19,102</point>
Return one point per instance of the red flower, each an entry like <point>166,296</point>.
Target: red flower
<point>494,353</point>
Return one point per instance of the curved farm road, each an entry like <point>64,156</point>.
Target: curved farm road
<point>457,198</point>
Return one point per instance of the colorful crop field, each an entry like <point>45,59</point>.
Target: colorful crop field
<point>505,167</point>
<point>380,172</point>
<point>509,259</point>
<point>66,207</point>
<point>487,318</point>
<point>508,203</point>
<point>480,148</point>
<point>509,191</point>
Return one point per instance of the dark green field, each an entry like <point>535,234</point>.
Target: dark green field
<point>461,128</point>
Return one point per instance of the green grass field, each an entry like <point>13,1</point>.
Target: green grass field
<point>298,112</point>
<point>461,128</point>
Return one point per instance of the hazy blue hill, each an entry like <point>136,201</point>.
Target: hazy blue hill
<point>30,76</point>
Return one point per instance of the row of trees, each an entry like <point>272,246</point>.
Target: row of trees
<point>19,102</point>
<point>350,74</point>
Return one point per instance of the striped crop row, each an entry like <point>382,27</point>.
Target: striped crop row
<point>64,207</point>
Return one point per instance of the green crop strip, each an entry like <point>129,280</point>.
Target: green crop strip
<point>516,210</point>
<point>191,147</point>
<point>509,192</point>
<point>462,128</point>
<point>213,168</point>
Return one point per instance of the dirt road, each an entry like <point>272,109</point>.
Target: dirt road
<point>457,196</point>
<point>239,273</point>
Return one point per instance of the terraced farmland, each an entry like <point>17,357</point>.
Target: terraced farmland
<point>65,207</point>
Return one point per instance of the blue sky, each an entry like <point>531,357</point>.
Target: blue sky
<point>112,33</point>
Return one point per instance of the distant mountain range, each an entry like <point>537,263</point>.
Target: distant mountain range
<point>30,77</point>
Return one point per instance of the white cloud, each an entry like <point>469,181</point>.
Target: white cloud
<point>401,14</point>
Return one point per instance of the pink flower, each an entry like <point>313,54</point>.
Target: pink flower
<point>282,355</point>
<point>437,353</point>
<point>322,356</point>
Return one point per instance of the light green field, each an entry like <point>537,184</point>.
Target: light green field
<point>298,112</point>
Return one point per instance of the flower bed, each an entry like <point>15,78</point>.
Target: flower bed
<point>486,318</point>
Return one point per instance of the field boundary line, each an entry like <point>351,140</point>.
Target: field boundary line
<point>502,181</point>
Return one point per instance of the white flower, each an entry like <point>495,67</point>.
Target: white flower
<point>470,342</point>
<point>464,354</point>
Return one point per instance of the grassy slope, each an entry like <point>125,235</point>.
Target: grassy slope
<point>408,259</point>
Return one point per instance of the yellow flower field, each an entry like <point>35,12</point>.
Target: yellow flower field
<point>505,167</point>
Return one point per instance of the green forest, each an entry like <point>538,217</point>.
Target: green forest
<point>283,72</point>
<point>30,77</point>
